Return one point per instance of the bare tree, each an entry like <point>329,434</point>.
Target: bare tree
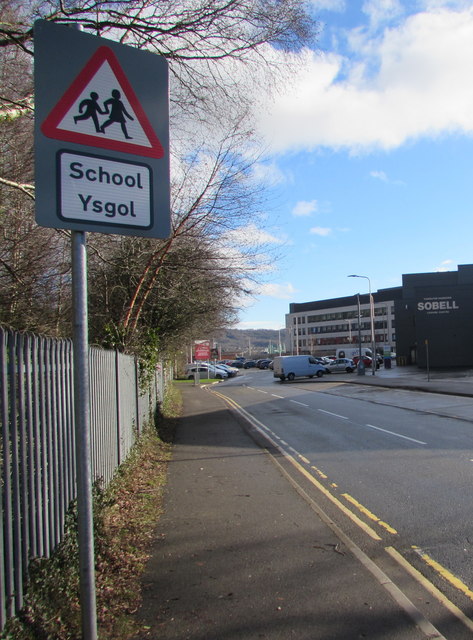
<point>222,55</point>
<point>33,294</point>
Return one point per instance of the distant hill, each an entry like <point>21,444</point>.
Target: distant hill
<point>251,342</point>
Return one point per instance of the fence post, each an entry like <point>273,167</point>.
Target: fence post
<point>137,397</point>
<point>117,395</point>
<point>15,472</point>
<point>8,587</point>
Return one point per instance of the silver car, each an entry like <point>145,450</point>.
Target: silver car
<point>340,364</point>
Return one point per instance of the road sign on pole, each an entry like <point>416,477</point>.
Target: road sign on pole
<point>102,164</point>
<point>101,134</point>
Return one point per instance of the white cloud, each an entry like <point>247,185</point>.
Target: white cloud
<point>260,324</point>
<point>280,291</point>
<point>268,174</point>
<point>329,5</point>
<point>383,176</point>
<point>380,11</point>
<point>379,175</point>
<point>430,5</point>
<point>409,82</point>
<point>444,266</point>
<point>251,236</point>
<point>304,208</point>
<point>321,231</point>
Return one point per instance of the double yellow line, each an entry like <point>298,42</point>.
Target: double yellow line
<point>261,428</point>
<point>439,569</point>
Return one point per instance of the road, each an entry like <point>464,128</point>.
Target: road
<point>395,478</point>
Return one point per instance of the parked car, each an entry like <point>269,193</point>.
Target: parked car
<point>232,371</point>
<point>264,364</point>
<point>340,364</point>
<point>249,364</point>
<point>205,371</point>
<point>236,363</point>
<point>366,361</point>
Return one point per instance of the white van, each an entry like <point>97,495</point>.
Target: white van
<point>290,367</point>
<point>352,352</point>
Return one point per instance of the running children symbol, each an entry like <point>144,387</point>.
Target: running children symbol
<point>113,107</point>
<point>100,109</point>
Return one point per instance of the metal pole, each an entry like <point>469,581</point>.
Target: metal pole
<point>82,429</point>
<point>85,515</point>
<point>373,341</point>
<point>361,365</point>
<point>427,355</point>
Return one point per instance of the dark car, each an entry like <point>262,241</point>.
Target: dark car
<point>249,364</point>
<point>264,364</point>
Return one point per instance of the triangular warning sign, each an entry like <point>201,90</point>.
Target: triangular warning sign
<point>100,109</point>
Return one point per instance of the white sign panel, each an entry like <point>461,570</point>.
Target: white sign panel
<point>103,191</point>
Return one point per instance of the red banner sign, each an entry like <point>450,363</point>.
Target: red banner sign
<point>202,349</point>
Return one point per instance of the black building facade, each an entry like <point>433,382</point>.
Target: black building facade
<point>434,319</point>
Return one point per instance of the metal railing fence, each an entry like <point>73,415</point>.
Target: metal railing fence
<point>37,442</point>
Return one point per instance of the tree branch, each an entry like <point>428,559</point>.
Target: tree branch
<point>25,188</point>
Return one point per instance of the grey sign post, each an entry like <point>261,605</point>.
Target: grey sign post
<point>102,164</point>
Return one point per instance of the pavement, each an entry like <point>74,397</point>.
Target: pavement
<point>240,554</point>
<point>447,382</point>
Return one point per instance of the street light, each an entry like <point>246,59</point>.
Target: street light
<point>373,344</point>
<point>361,364</point>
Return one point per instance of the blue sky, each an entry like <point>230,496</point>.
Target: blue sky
<point>370,152</point>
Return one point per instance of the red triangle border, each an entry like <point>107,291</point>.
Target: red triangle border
<point>50,125</point>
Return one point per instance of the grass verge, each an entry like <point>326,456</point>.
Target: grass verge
<point>125,517</point>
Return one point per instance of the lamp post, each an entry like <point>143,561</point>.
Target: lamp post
<point>373,343</point>
<point>361,364</point>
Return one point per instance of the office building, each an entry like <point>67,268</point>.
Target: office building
<point>427,321</point>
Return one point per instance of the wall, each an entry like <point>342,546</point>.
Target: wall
<point>434,319</point>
